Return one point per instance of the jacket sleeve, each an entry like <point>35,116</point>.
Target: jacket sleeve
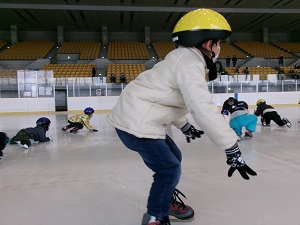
<point>42,134</point>
<point>258,111</point>
<point>225,106</point>
<point>180,123</point>
<point>190,75</point>
<point>86,122</point>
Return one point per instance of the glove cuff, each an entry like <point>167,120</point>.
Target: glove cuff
<point>186,127</point>
<point>234,149</point>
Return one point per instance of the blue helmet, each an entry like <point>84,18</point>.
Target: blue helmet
<point>89,111</point>
<point>225,112</point>
<point>42,121</point>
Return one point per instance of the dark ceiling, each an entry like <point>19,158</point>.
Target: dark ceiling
<point>133,15</point>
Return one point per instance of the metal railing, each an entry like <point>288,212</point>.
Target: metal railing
<point>96,86</point>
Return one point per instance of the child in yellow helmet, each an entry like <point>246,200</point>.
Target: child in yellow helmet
<point>163,96</point>
<point>268,113</point>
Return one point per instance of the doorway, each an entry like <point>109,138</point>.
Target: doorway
<point>61,103</point>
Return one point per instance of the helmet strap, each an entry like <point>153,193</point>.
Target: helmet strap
<point>213,73</point>
<point>213,42</point>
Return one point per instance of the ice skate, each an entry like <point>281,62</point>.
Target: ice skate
<point>248,134</point>
<point>23,146</point>
<point>178,210</point>
<point>74,130</point>
<point>263,121</point>
<point>65,128</point>
<point>239,138</point>
<point>287,122</point>
<point>152,220</point>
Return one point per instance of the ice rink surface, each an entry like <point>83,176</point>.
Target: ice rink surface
<point>90,178</point>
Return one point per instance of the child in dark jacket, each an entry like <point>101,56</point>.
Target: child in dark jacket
<point>32,135</point>
<point>268,113</point>
<point>3,141</point>
<point>230,104</point>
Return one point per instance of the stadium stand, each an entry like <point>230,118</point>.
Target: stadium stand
<point>88,50</point>
<point>2,44</point>
<point>27,50</point>
<point>8,73</point>
<point>162,48</point>
<point>127,50</point>
<point>131,71</point>
<point>262,50</point>
<point>228,50</point>
<point>262,71</point>
<point>289,46</point>
<point>70,70</point>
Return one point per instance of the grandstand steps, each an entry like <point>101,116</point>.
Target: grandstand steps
<point>3,49</point>
<point>150,63</point>
<point>240,62</point>
<point>37,64</point>
<point>15,64</point>
<point>295,62</point>
<point>261,62</point>
<point>85,61</point>
<point>151,51</point>
<point>101,63</point>
<point>67,57</point>
<point>104,51</point>
<point>241,50</point>
<point>296,59</point>
<point>52,54</point>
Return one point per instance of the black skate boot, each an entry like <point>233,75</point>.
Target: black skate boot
<point>287,122</point>
<point>151,220</point>
<point>248,134</point>
<point>74,130</point>
<point>263,121</point>
<point>178,210</point>
<point>65,128</point>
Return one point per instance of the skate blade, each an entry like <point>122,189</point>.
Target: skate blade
<point>175,219</point>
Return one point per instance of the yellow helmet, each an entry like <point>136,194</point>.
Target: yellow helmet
<point>260,101</point>
<point>200,25</point>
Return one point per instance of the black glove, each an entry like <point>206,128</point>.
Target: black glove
<point>236,161</point>
<point>94,130</point>
<point>191,132</point>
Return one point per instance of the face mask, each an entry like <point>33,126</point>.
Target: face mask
<point>212,75</point>
<point>214,56</point>
<point>214,59</point>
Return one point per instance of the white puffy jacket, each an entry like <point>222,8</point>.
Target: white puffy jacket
<point>164,94</point>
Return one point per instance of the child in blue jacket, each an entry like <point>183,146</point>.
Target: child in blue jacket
<point>241,118</point>
<point>31,135</point>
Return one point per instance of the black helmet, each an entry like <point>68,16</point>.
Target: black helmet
<point>241,105</point>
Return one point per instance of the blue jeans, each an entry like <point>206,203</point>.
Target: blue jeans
<point>163,157</point>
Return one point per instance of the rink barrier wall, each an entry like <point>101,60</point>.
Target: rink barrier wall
<point>106,103</point>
